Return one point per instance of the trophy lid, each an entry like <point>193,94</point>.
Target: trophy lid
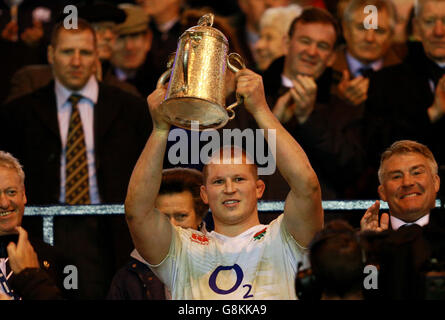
<point>204,27</point>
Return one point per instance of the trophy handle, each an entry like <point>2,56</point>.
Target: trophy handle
<point>164,78</point>
<point>185,65</point>
<point>166,75</point>
<point>239,100</point>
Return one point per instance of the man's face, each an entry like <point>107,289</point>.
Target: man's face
<point>232,192</point>
<point>270,46</point>
<point>131,50</point>
<point>367,45</point>
<point>106,38</point>
<point>431,29</point>
<point>179,208</point>
<point>310,50</point>
<point>74,59</point>
<point>12,200</point>
<point>409,186</point>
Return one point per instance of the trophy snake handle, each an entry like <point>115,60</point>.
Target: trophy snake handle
<point>164,78</point>
<point>185,64</point>
<point>166,75</point>
<point>234,69</point>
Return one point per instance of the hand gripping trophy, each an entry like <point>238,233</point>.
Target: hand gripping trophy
<point>197,78</point>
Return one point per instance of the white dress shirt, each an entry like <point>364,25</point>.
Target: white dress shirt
<point>90,93</point>
<point>3,270</point>
<point>355,65</point>
<point>397,223</point>
<point>286,82</point>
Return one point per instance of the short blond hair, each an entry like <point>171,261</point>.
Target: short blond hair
<point>404,147</point>
<point>232,151</point>
<point>280,18</point>
<point>7,160</point>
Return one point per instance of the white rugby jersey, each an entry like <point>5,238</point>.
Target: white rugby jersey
<point>260,263</point>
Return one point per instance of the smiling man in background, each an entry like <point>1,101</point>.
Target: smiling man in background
<point>409,183</point>
<point>23,274</point>
<point>409,246</point>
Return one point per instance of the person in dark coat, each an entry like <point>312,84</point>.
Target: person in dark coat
<point>408,241</point>
<point>406,101</point>
<point>115,126</point>
<point>29,268</point>
<point>409,183</point>
<point>366,50</point>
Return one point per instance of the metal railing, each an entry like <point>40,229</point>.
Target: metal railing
<point>48,212</point>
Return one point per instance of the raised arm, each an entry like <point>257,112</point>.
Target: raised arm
<point>150,229</point>
<point>303,213</point>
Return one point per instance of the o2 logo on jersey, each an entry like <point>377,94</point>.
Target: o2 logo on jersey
<point>239,279</point>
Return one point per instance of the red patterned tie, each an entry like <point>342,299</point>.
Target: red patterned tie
<point>77,189</point>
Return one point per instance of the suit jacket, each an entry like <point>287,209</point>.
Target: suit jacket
<point>398,99</point>
<point>122,124</point>
<point>396,109</point>
<point>341,63</point>
<point>406,256</point>
<point>43,283</point>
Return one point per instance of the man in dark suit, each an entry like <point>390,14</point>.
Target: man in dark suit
<point>408,242</point>
<point>22,275</point>
<point>366,50</point>
<point>409,183</point>
<point>406,101</point>
<point>78,141</point>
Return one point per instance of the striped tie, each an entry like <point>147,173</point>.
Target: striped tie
<point>77,189</point>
